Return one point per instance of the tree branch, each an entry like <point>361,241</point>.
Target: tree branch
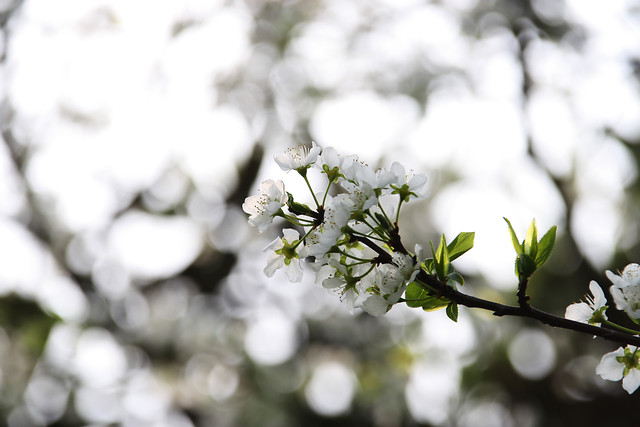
<point>527,311</point>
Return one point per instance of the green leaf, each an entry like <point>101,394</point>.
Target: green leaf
<point>456,277</point>
<point>461,244</point>
<point>514,238</point>
<point>332,174</point>
<point>452,311</point>
<point>545,246</point>
<point>442,259</point>
<point>531,241</point>
<point>417,296</point>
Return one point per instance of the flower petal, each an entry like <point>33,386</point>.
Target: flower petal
<point>609,368</point>
<point>275,262</point>
<point>290,235</point>
<point>375,305</point>
<point>598,295</point>
<point>579,311</point>
<point>294,271</point>
<point>631,381</point>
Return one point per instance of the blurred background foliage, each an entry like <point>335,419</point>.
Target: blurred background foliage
<point>131,286</point>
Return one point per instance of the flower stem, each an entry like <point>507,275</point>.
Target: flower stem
<point>363,260</point>
<point>326,192</point>
<point>304,237</point>
<point>398,211</point>
<point>622,328</point>
<point>368,235</point>
<point>311,190</point>
<point>302,222</point>
<point>367,272</point>
<point>377,230</point>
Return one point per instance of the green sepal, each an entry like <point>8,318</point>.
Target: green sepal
<point>599,316</point>
<point>514,238</point>
<point>404,192</point>
<point>452,311</point>
<point>332,174</point>
<point>461,244</point>
<point>545,246</point>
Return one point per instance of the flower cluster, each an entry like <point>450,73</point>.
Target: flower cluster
<point>622,364</point>
<point>350,230</point>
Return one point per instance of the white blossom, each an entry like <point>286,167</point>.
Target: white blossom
<point>326,235</point>
<point>351,167</point>
<point>361,197</point>
<point>592,311</point>
<point>377,179</point>
<point>286,253</point>
<point>407,265</point>
<point>390,282</point>
<point>332,274</point>
<point>375,305</point>
<point>626,290</point>
<point>414,183</point>
<point>263,207</point>
<point>621,364</point>
<point>297,158</point>
<point>331,158</point>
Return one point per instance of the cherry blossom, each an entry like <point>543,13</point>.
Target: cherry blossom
<point>263,207</point>
<point>621,364</point>
<point>592,311</point>
<point>626,290</point>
